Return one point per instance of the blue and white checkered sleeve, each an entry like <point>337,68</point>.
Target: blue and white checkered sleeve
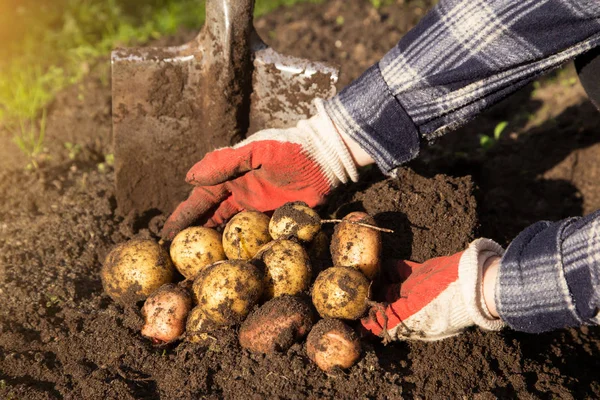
<point>550,276</point>
<point>462,57</point>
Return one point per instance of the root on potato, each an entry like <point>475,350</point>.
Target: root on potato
<point>331,344</point>
<point>341,292</point>
<point>165,312</point>
<point>276,325</point>
<point>134,269</point>
<point>227,291</point>
<point>357,246</point>
<point>195,248</point>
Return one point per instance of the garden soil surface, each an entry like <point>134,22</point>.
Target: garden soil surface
<point>61,337</point>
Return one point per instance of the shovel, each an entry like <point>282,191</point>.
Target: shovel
<point>172,105</point>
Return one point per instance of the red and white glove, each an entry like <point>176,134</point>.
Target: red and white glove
<point>265,171</point>
<point>437,299</point>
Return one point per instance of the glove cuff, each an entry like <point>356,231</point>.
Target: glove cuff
<point>327,147</point>
<point>470,275</point>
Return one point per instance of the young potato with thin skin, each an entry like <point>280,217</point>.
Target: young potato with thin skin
<point>194,248</point>
<point>134,269</point>
<point>286,268</point>
<point>331,344</point>
<point>341,292</point>
<point>245,234</point>
<point>228,290</point>
<point>357,246</point>
<point>295,219</point>
<point>276,325</point>
<point>165,312</point>
<point>198,326</point>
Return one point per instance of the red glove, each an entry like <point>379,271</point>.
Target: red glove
<point>265,171</point>
<point>436,299</point>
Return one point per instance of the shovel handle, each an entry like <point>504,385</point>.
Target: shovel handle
<point>229,25</point>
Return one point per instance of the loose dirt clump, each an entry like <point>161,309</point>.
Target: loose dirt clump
<point>424,213</point>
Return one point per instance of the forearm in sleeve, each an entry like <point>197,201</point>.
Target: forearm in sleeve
<point>549,277</point>
<point>462,57</point>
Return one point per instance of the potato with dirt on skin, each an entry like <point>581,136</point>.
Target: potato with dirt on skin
<point>198,326</point>
<point>341,292</point>
<point>245,234</point>
<point>319,253</point>
<point>331,344</point>
<point>226,291</point>
<point>134,269</point>
<point>295,219</point>
<point>286,268</point>
<point>165,312</point>
<point>194,248</point>
<point>357,246</point>
<point>319,248</point>
<point>276,325</point>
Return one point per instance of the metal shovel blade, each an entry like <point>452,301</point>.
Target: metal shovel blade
<point>172,105</point>
<point>284,88</point>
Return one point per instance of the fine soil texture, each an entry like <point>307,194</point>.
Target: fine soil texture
<point>62,337</point>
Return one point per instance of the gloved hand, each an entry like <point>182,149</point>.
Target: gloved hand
<point>436,299</point>
<point>265,171</point>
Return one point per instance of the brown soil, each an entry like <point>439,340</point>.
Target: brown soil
<point>61,337</point>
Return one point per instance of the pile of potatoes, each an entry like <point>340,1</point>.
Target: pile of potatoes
<point>257,274</point>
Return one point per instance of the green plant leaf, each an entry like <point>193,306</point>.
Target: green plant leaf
<point>486,142</point>
<point>499,129</point>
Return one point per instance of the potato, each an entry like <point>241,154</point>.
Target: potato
<point>341,292</point>
<point>286,268</point>
<point>357,246</point>
<point>276,325</point>
<point>318,249</point>
<point>134,269</point>
<point>331,344</point>
<point>245,234</point>
<point>227,291</point>
<point>295,219</point>
<point>319,253</point>
<point>194,248</point>
<point>165,312</point>
<point>198,326</point>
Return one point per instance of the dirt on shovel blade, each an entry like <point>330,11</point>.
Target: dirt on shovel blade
<point>61,337</point>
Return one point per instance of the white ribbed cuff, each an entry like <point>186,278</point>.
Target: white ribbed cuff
<point>328,148</point>
<point>470,275</point>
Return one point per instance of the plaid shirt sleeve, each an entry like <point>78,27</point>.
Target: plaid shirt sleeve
<point>550,276</point>
<point>463,56</point>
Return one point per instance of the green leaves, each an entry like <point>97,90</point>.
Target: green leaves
<point>499,129</point>
<point>486,142</point>
<point>29,138</point>
<point>62,41</point>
